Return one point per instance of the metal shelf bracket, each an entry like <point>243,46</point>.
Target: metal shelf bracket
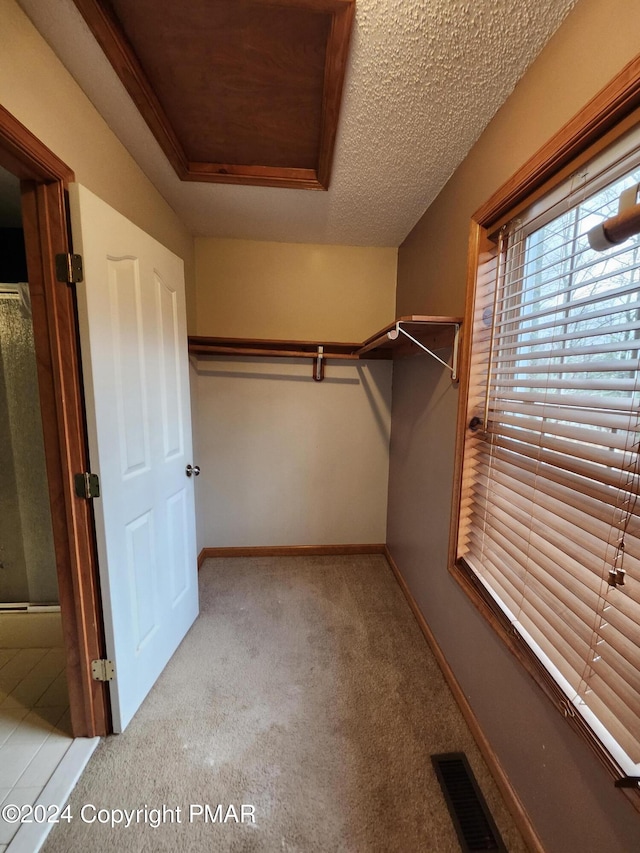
<point>318,365</point>
<point>453,367</point>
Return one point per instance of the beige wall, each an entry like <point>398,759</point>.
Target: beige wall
<point>37,89</point>
<point>286,460</point>
<point>289,461</point>
<point>293,291</point>
<point>568,795</point>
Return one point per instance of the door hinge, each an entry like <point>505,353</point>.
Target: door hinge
<point>86,485</point>
<point>103,670</point>
<point>69,268</point>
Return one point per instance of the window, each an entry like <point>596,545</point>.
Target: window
<point>549,516</point>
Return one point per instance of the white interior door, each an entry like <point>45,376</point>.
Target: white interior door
<point>131,308</point>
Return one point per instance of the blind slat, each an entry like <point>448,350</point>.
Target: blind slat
<point>549,501</point>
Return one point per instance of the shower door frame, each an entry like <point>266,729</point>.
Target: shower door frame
<point>44,179</point>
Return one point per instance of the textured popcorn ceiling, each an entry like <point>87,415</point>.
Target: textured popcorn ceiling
<point>424,79</point>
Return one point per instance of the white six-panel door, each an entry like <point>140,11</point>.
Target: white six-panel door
<point>134,356</point>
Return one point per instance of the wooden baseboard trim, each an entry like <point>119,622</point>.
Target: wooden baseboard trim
<point>290,551</point>
<point>511,798</point>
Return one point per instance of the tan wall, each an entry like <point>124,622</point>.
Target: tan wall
<point>286,460</point>
<point>37,89</point>
<point>569,797</point>
<point>293,291</point>
<point>289,461</point>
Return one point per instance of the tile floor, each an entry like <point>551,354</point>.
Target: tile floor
<point>35,731</point>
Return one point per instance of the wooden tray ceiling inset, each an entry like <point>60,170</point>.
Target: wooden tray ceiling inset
<point>235,91</point>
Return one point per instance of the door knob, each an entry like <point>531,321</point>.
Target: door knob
<point>192,469</point>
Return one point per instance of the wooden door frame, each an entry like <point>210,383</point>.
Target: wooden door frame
<point>44,180</point>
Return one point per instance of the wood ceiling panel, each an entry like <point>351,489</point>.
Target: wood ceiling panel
<point>238,91</point>
<point>250,74</point>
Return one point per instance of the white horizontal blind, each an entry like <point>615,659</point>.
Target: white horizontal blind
<point>549,518</point>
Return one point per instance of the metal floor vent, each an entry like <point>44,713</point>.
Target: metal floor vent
<point>469,812</point>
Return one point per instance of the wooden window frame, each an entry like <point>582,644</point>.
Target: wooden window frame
<point>44,180</point>
<point>605,118</point>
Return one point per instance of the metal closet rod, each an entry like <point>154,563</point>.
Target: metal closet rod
<point>202,349</point>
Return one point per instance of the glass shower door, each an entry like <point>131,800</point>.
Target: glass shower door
<point>27,557</point>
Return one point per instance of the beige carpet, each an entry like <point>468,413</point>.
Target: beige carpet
<point>304,689</point>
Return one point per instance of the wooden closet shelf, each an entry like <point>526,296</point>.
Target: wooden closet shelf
<point>434,332</point>
<point>405,336</point>
<point>431,332</point>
